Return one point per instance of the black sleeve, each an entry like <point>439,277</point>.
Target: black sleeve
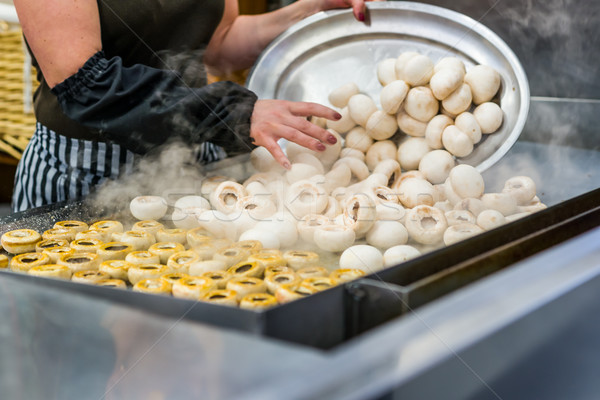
<point>142,107</point>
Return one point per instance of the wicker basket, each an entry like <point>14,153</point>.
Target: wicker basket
<point>17,84</point>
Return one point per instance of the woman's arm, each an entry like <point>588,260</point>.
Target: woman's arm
<point>240,39</point>
<point>136,106</point>
<point>62,34</point>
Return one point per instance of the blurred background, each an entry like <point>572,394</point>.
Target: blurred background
<point>557,42</point>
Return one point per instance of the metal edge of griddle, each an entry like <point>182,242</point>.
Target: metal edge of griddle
<point>378,298</point>
<point>325,319</point>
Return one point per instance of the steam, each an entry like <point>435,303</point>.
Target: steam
<point>171,173</point>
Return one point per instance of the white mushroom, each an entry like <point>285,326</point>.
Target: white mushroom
<point>459,100</point>
<point>401,61</point>
<point>186,218</point>
<point>338,176</point>
<point>473,205</point>
<point>359,168</point>
<point>407,175</point>
<point>310,159</point>
<point>383,194</point>
<point>339,96</point>
<point>344,124</point>
<point>413,192</point>
<point>300,171</point>
<point>436,166</point>
<point>456,141</point>
<point>148,207</point>
<point>533,206</point>
<point>445,81</point>
<point>390,168</point>
<point>333,208</point>
<point>466,181</point>
<point>522,188</point>
<point>387,211</point>
<point>417,70</point>
<point>268,239</point>
<point>309,223</point>
<point>455,217</point>
<point>200,267</point>
<point>364,257</point>
<point>386,234</point>
<point>283,225</point>
<point>349,152</point>
<point>489,117</point>
<point>379,151</point>
<point>334,237</point>
<point>503,202</point>
<point>358,139</point>
<point>360,107</point>
<point>450,62</point>
<point>440,191</point>
<point>186,210</point>
<point>434,130</point>
<point>444,205</point>
<point>191,201</point>
<point>381,125</point>
<point>392,95</point>
<point>457,233</point>
<point>425,224</point>
<point>258,189</point>
<point>467,123</point>
<point>226,196</point>
<point>292,149</point>
<point>257,207</point>
<point>451,195</point>
<point>409,125</point>
<point>359,213</point>
<point>490,219</point>
<point>209,184</point>
<point>386,71</point>
<point>218,224</point>
<point>399,254</point>
<point>305,197</point>
<point>264,178</point>
<point>262,160</point>
<point>421,104</point>
<point>484,82</point>
<point>411,151</point>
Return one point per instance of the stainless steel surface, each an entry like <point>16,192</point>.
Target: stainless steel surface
<point>330,49</point>
<point>61,345</point>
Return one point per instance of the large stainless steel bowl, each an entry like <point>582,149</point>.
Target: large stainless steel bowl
<point>331,48</point>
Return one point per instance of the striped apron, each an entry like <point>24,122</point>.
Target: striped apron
<point>55,168</point>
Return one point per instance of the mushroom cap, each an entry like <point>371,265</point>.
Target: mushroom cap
<point>489,116</point>
<point>364,257</point>
<point>467,181</point>
<point>339,96</point>
<point>399,254</point>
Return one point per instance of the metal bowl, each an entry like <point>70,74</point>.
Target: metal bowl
<point>331,48</point>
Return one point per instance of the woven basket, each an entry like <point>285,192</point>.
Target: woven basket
<point>17,84</point>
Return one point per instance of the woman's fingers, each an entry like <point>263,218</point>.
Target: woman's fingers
<point>307,109</point>
<point>275,119</point>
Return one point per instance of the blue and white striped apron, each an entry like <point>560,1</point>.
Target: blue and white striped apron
<point>56,168</point>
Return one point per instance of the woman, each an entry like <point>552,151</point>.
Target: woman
<point>121,78</point>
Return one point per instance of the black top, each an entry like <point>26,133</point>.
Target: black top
<point>142,88</point>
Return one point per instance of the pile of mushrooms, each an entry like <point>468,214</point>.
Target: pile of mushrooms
<point>392,186</point>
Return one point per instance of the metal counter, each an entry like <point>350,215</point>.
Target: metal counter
<point>526,331</point>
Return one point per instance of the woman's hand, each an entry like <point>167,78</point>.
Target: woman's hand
<point>276,119</point>
<point>358,6</point>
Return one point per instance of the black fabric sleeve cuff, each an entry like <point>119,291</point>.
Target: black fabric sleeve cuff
<point>141,107</point>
